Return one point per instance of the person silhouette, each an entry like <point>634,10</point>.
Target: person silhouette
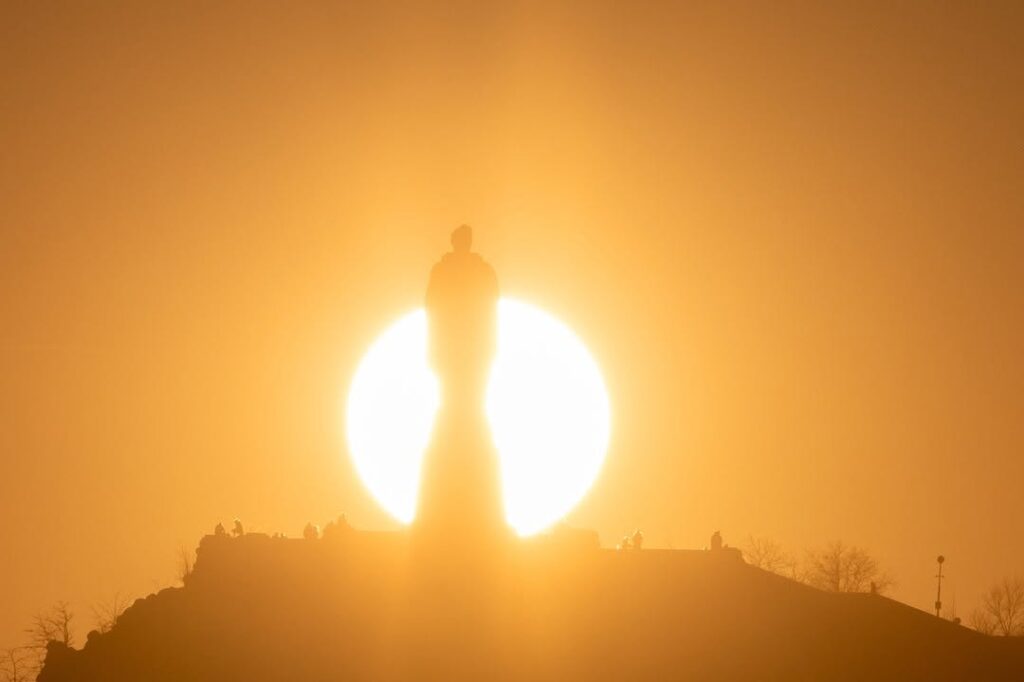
<point>460,493</point>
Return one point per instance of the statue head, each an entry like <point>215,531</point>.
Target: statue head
<point>462,239</point>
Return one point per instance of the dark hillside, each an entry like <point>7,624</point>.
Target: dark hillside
<point>379,606</point>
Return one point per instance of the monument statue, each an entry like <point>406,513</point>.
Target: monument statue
<point>462,298</point>
<point>460,491</point>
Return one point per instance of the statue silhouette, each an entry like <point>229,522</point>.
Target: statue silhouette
<point>460,494</point>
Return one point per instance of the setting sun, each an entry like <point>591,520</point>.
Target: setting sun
<point>546,404</point>
<point>752,412</point>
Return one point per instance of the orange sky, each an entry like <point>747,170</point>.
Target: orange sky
<point>792,237</point>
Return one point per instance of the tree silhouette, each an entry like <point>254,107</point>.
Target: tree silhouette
<point>1002,609</point>
<point>841,568</point>
<point>186,563</point>
<point>768,555</point>
<point>18,664</point>
<point>107,613</point>
<point>50,626</point>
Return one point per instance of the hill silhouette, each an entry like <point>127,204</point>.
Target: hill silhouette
<point>457,598</point>
<point>364,605</point>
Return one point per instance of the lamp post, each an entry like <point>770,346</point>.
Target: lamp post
<point>938,592</point>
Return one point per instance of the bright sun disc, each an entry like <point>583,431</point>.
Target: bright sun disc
<point>546,404</point>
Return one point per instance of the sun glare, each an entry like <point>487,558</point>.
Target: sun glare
<point>546,404</point>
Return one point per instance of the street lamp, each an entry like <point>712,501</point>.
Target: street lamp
<point>938,592</point>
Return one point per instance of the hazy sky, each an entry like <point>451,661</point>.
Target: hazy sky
<point>791,235</point>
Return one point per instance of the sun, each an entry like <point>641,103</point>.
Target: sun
<point>546,404</point>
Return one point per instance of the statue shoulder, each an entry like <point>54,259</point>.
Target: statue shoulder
<point>487,273</point>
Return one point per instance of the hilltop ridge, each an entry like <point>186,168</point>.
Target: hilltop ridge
<point>362,605</point>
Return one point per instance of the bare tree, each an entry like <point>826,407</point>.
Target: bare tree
<point>107,613</point>
<point>18,664</point>
<point>1002,609</point>
<point>982,622</point>
<point>186,563</point>
<point>50,626</point>
<point>841,568</point>
<point>766,554</point>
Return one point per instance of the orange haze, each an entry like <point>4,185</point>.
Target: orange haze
<point>792,237</point>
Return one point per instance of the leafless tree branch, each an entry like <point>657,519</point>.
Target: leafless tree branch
<point>107,613</point>
<point>1002,609</point>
